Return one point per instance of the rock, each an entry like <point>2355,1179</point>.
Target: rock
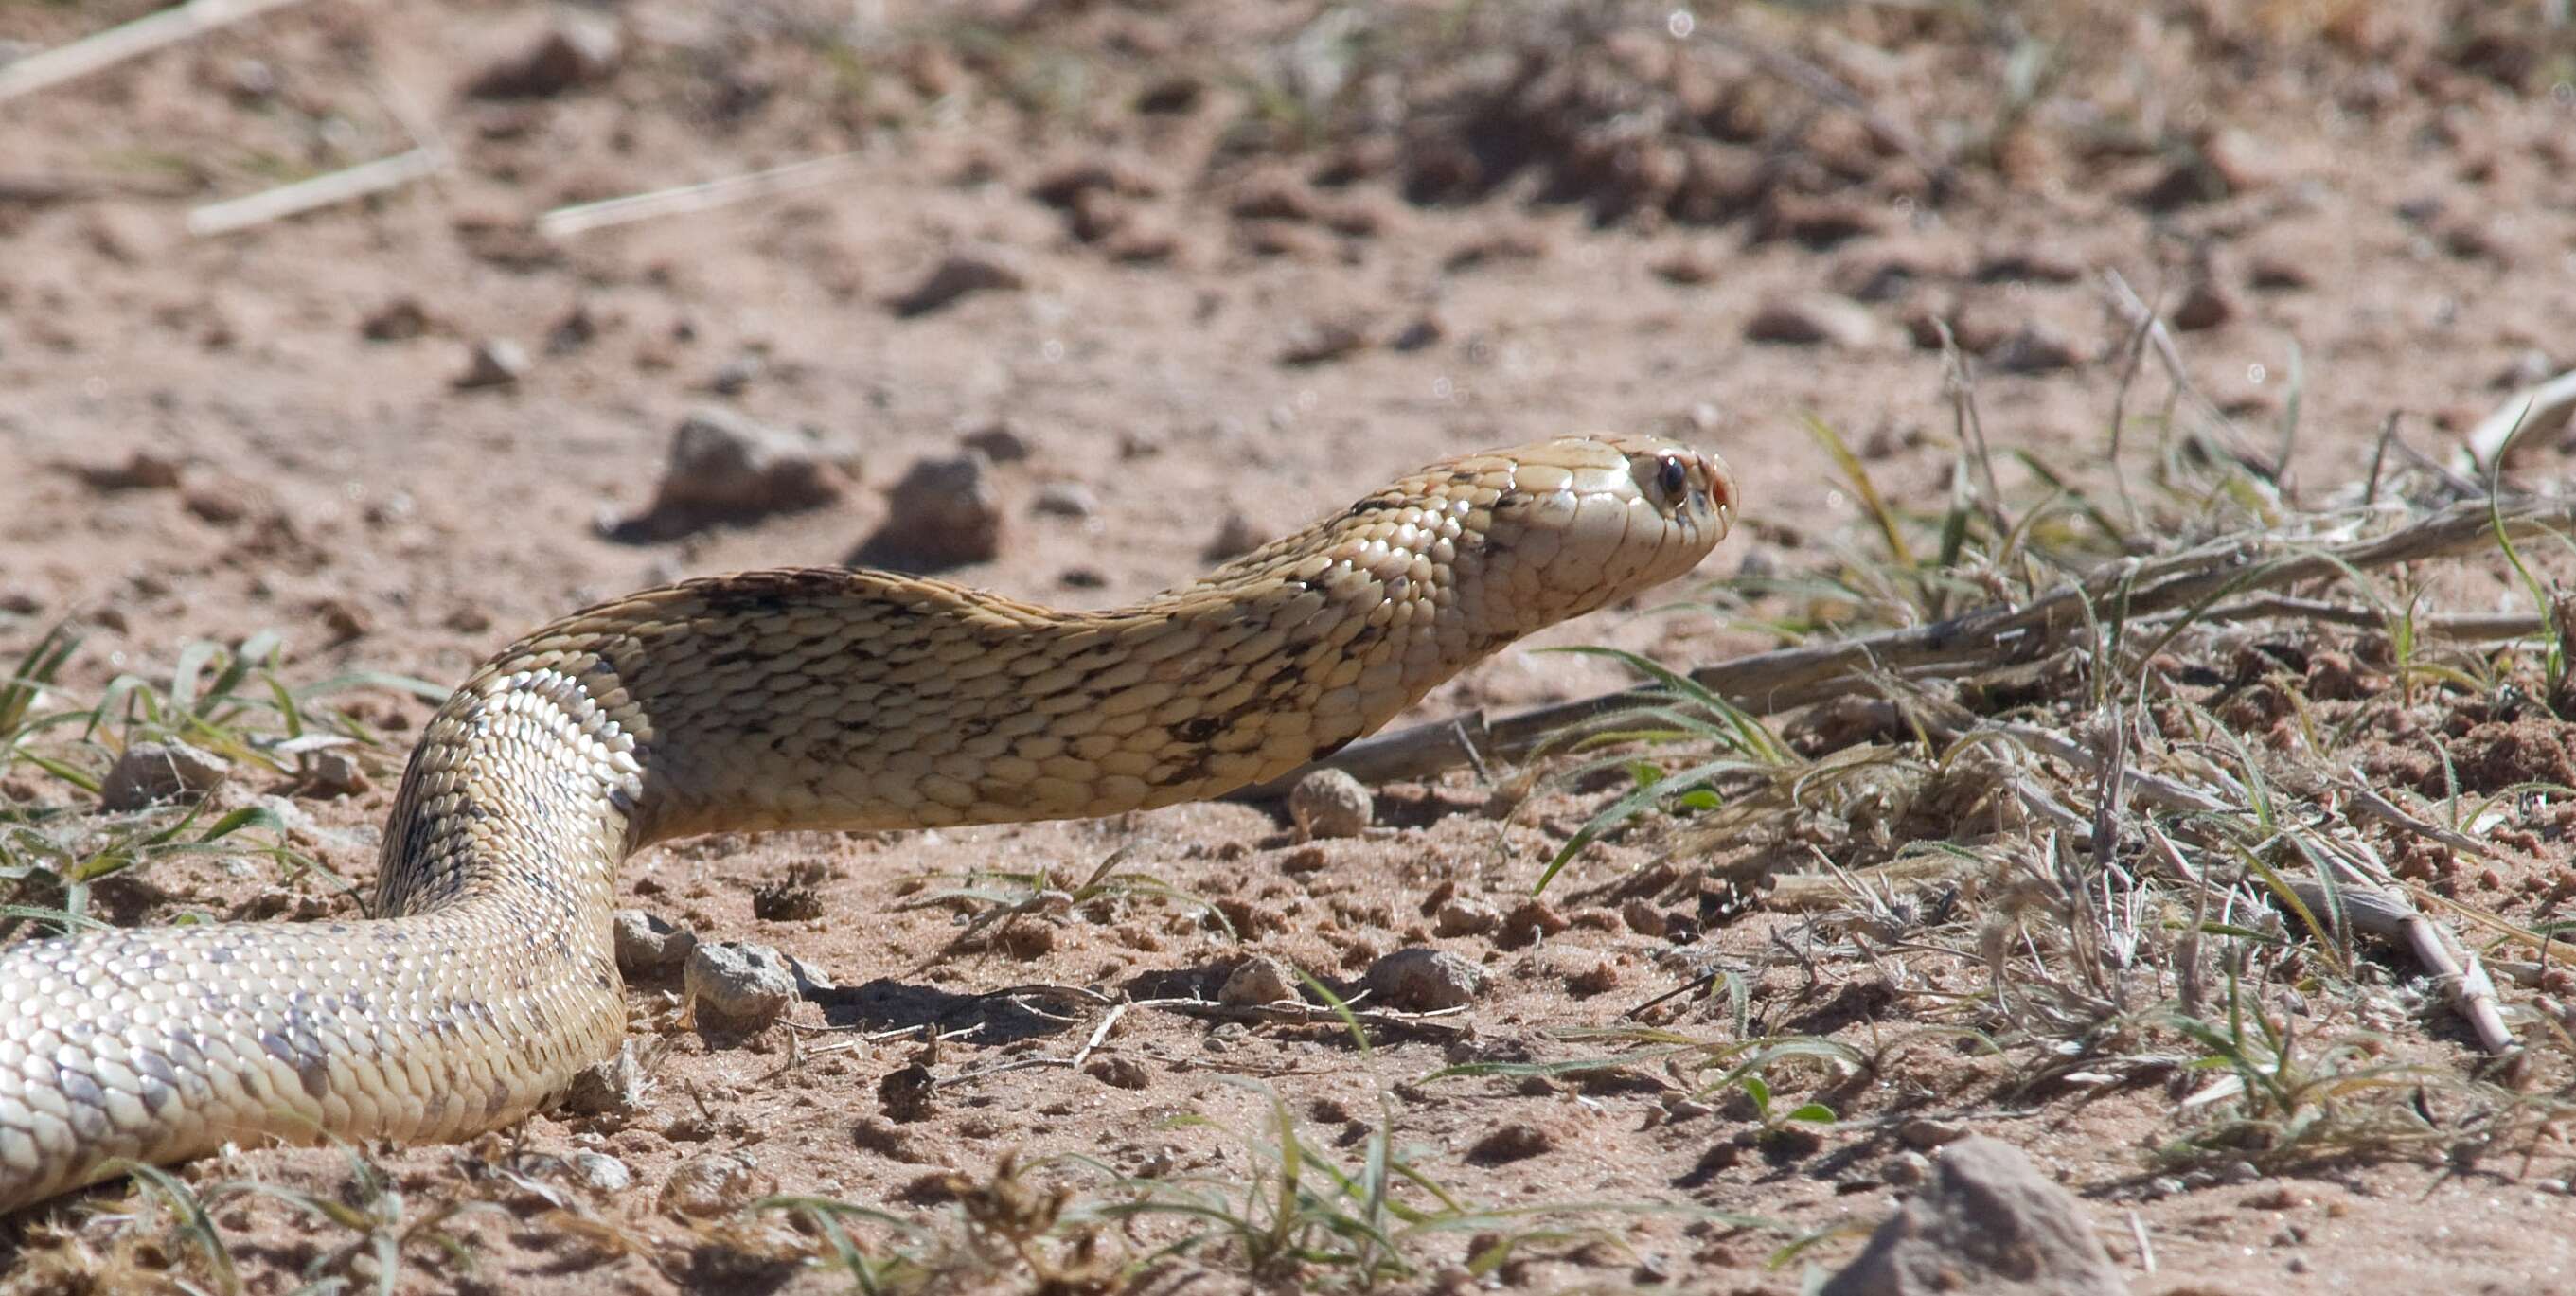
<point>1423,980</point>
<point>2037,348</point>
<point>1643,917</point>
<point>158,771</point>
<point>1529,921</point>
<point>1466,918</point>
<point>220,502</point>
<point>945,512</point>
<point>1988,1221</point>
<point>1516,1141</point>
<point>648,943</point>
<point>493,362</point>
<point>2040,265</point>
<point>735,376</point>
<point>1259,979</point>
<point>2203,306</point>
<point>573,49</point>
<point>332,774</point>
<point>1905,1169</point>
<point>142,470</point>
<point>999,443</point>
<point>724,467</point>
<point>398,320</point>
<point>1687,267</point>
<point>2273,273</point>
<point>1422,332</point>
<point>961,275</point>
<point>1330,803</point>
<point>1924,1134</point>
<point>601,1172</point>
<point>1318,341</point>
<point>617,1087</point>
<point>1067,499</point>
<point>1815,319</point>
<point>737,986</point>
<point>713,1184</point>
<point>786,900</point>
<point>1119,1072</point>
<point>1235,536</point>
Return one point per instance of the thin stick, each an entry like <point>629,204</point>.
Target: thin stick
<point>2218,430</point>
<point>581,218</point>
<point>2535,411</point>
<point>1771,682</point>
<point>236,214</point>
<point>117,44</point>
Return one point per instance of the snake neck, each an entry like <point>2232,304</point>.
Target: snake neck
<point>821,699</point>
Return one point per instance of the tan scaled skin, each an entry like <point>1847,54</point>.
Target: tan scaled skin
<point>787,699</point>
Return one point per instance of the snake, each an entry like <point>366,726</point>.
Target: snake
<point>484,979</point>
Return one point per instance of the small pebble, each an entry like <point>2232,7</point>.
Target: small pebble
<point>333,774</point>
<point>1423,980</point>
<point>1330,803</point>
<point>1119,1072</point>
<point>493,362</point>
<point>617,1087</point>
<point>1235,536</point>
<point>1067,499</point>
<point>574,48</point>
<point>1815,319</point>
<point>1259,979</point>
<point>1906,1169</point>
<point>648,943</point>
<point>945,512</point>
<point>999,443</point>
<point>601,1172</point>
<point>737,986</point>
<point>158,771</point>
<point>713,1184</point>
<point>725,467</point>
<point>960,276</point>
<point>1464,917</point>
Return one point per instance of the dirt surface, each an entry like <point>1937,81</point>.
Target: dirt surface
<point>1251,274</point>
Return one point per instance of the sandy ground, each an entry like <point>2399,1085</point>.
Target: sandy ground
<point>2401,257</point>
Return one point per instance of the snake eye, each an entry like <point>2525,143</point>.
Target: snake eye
<point>1673,478</point>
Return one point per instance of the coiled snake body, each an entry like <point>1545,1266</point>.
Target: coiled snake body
<point>821,699</point>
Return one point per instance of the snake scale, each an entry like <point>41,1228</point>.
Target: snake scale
<point>798,699</point>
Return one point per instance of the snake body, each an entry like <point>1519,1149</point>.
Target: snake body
<point>812,699</point>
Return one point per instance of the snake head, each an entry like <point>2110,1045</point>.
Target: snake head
<point>1581,523</point>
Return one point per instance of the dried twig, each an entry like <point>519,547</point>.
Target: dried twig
<point>2215,429</point>
<point>2526,416</point>
<point>1305,1014</point>
<point>236,214</point>
<point>1765,683</point>
<point>581,218</point>
<point>117,44</point>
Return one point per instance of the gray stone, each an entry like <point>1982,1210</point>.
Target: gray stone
<point>1259,979</point>
<point>944,513</point>
<point>647,943</point>
<point>1463,917</point>
<point>737,986</point>
<point>158,771</point>
<point>725,467</point>
<point>1988,1221</point>
<point>1330,803</point>
<point>602,1172</point>
<point>1423,980</point>
<point>617,1087</point>
<point>493,362</point>
<point>989,270</point>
